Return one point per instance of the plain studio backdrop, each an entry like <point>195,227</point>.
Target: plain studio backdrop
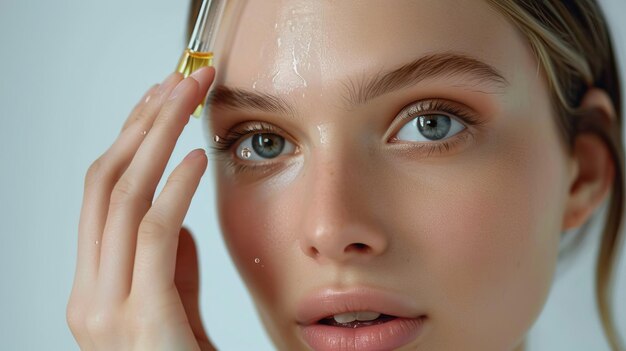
<point>71,72</point>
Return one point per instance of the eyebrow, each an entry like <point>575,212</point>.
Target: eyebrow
<point>363,88</point>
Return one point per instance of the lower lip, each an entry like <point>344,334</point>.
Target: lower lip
<point>380,337</point>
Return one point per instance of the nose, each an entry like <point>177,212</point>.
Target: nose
<point>339,222</point>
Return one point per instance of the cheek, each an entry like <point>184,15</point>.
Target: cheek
<point>253,220</point>
<point>491,232</point>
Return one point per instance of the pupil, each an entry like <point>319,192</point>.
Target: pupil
<point>434,127</point>
<point>268,145</point>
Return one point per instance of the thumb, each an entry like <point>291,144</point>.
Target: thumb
<point>188,285</point>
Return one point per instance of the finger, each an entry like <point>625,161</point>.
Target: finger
<point>132,195</point>
<point>187,280</point>
<point>157,240</point>
<point>147,111</point>
<point>99,181</point>
<point>134,114</point>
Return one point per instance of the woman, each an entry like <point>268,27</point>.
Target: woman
<point>389,177</point>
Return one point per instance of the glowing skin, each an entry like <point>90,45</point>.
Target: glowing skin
<point>471,234</point>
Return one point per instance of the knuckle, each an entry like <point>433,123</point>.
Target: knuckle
<point>94,171</point>
<point>122,191</point>
<point>100,322</point>
<point>176,180</point>
<point>125,191</point>
<point>74,316</point>
<point>105,322</point>
<point>153,225</point>
<point>125,194</point>
<point>141,115</point>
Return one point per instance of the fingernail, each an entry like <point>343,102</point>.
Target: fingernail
<point>197,73</point>
<point>195,154</point>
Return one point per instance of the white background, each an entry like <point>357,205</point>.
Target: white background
<point>70,73</point>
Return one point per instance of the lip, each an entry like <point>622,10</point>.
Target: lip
<point>327,302</point>
<point>386,336</point>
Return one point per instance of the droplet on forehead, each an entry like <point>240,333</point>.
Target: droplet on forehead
<point>246,152</point>
<point>144,132</point>
<point>323,130</point>
<point>257,260</point>
<point>97,242</point>
<point>216,138</point>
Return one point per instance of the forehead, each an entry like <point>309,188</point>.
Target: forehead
<point>291,46</point>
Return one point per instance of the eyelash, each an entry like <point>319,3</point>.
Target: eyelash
<point>438,106</point>
<point>224,144</point>
<point>409,112</point>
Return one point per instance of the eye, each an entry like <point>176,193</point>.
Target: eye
<point>263,146</point>
<point>430,127</point>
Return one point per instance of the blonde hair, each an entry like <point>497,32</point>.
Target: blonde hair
<point>571,40</point>
<point>572,43</point>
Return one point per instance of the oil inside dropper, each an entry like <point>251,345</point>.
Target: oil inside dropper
<point>199,52</point>
<point>191,61</point>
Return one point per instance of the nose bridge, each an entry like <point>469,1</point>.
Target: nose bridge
<point>337,225</point>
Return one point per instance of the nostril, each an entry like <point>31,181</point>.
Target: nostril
<point>358,247</point>
<point>313,251</point>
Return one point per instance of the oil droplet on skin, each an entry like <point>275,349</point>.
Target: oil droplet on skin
<point>257,260</point>
<point>323,130</point>
<point>97,242</point>
<point>294,46</point>
<point>294,64</point>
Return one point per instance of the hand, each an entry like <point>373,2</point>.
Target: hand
<point>136,280</point>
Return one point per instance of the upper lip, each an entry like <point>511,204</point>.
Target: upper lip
<point>327,302</point>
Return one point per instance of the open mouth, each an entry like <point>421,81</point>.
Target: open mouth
<point>356,319</point>
<point>364,318</point>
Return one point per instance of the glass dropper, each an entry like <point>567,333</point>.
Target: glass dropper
<point>199,52</point>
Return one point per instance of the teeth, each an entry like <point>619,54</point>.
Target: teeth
<point>345,317</point>
<point>353,316</point>
<point>367,316</point>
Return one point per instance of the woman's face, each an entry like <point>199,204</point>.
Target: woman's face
<point>409,165</point>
